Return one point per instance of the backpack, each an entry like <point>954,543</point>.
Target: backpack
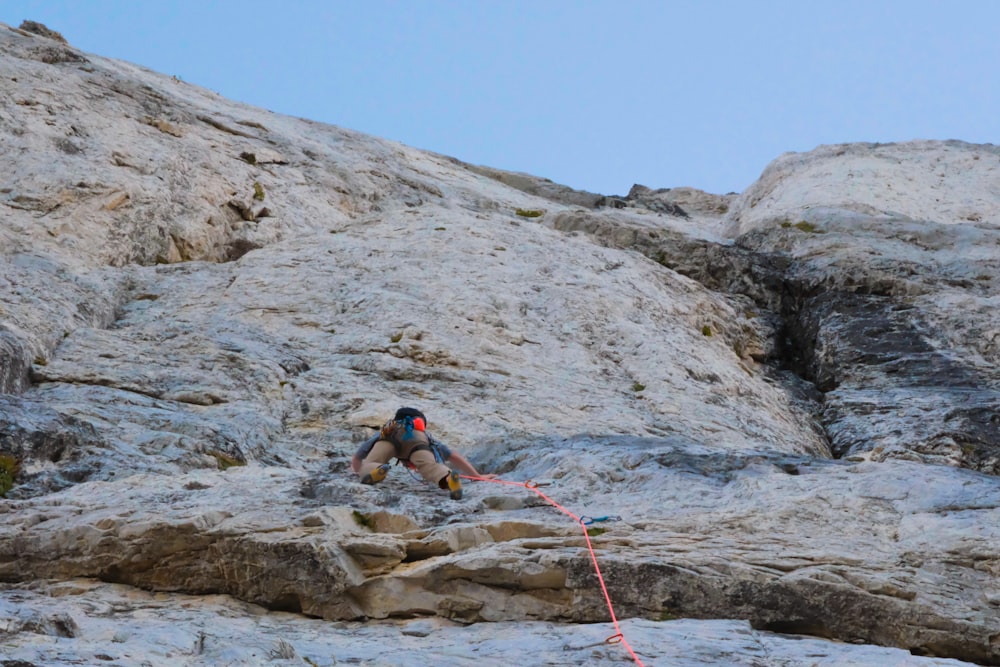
<point>402,426</point>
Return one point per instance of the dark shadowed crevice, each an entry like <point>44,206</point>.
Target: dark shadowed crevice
<point>30,431</point>
<point>856,344</point>
<point>15,363</point>
<point>837,336</point>
<point>797,627</point>
<point>289,602</point>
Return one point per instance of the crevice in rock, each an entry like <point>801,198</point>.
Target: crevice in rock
<point>36,436</point>
<point>79,303</point>
<point>872,329</point>
<point>39,376</point>
<point>721,466</point>
<point>761,277</point>
<point>238,248</point>
<point>15,362</point>
<point>415,555</point>
<point>850,342</point>
<point>287,602</point>
<point>796,627</point>
<point>842,331</point>
<point>219,125</point>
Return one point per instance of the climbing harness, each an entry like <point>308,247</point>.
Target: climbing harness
<point>584,521</point>
<point>434,448</point>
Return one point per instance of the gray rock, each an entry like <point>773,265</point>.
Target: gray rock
<point>781,404</point>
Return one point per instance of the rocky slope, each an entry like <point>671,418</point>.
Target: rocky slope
<point>788,398</point>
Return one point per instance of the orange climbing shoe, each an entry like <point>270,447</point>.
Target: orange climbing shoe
<point>454,486</point>
<point>377,475</point>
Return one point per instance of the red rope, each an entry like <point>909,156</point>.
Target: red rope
<point>532,486</point>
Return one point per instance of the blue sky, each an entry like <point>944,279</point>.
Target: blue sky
<point>595,94</point>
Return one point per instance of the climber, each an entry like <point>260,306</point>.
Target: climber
<point>405,438</point>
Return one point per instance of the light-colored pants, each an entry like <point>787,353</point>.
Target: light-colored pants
<point>428,466</point>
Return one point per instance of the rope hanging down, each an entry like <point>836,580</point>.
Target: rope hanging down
<point>584,521</point>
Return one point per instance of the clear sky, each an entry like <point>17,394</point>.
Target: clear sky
<point>595,94</point>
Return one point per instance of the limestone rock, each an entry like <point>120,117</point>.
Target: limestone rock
<point>882,258</point>
<point>778,408</point>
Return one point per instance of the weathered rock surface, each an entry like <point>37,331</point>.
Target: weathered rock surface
<point>789,396</point>
<point>895,267</point>
<point>131,627</point>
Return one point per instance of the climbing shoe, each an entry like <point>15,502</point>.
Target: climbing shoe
<point>454,485</point>
<point>377,475</point>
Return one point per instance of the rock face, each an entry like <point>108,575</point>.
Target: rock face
<point>895,299</point>
<point>782,404</point>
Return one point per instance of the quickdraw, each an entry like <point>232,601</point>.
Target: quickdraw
<point>587,520</point>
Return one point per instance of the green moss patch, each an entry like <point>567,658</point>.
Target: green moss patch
<point>9,467</point>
